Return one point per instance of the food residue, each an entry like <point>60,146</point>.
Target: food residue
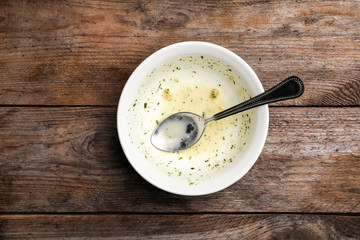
<point>201,85</point>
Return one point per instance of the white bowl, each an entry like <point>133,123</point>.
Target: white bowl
<point>227,176</point>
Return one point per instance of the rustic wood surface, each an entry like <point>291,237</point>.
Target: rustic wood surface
<point>68,159</point>
<point>81,53</point>
<point>183,226</point>
<point>63,65</point>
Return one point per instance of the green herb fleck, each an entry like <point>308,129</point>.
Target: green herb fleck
<point>145,105</point>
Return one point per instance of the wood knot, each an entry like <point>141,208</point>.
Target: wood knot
<point>164,21</point>
<point>310,20</point>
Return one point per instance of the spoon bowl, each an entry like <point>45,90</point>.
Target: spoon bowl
<point>178,131</point>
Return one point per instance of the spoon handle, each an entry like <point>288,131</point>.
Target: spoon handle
<point>292,87</point>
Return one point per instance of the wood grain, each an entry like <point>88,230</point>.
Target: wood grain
<point>68,159</point>
<point>82,53</point>
<point>208,226</point>
<point>63,173</point>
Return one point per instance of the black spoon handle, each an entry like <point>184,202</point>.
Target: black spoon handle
<point>290,88</point>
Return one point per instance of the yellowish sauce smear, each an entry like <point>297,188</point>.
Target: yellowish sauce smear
<point>198,84</point>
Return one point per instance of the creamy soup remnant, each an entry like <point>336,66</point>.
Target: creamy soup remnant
<point>198,84</point>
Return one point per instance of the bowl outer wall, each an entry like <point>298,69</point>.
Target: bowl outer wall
<point>260,132</point>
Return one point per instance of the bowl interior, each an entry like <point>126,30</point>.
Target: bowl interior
<point>245,159</point>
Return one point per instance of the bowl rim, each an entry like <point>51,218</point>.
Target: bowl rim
<point>257,84</point>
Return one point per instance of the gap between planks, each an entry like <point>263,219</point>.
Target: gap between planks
<point>177,213</point>
<point>110,106</point>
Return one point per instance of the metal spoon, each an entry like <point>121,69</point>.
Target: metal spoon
<point>182,130</point>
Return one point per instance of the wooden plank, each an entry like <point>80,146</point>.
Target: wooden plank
<point>261,226</point>
<point>82,53</point>
<point>68,159</point>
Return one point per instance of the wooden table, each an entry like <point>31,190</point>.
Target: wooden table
<point>63,65</point>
